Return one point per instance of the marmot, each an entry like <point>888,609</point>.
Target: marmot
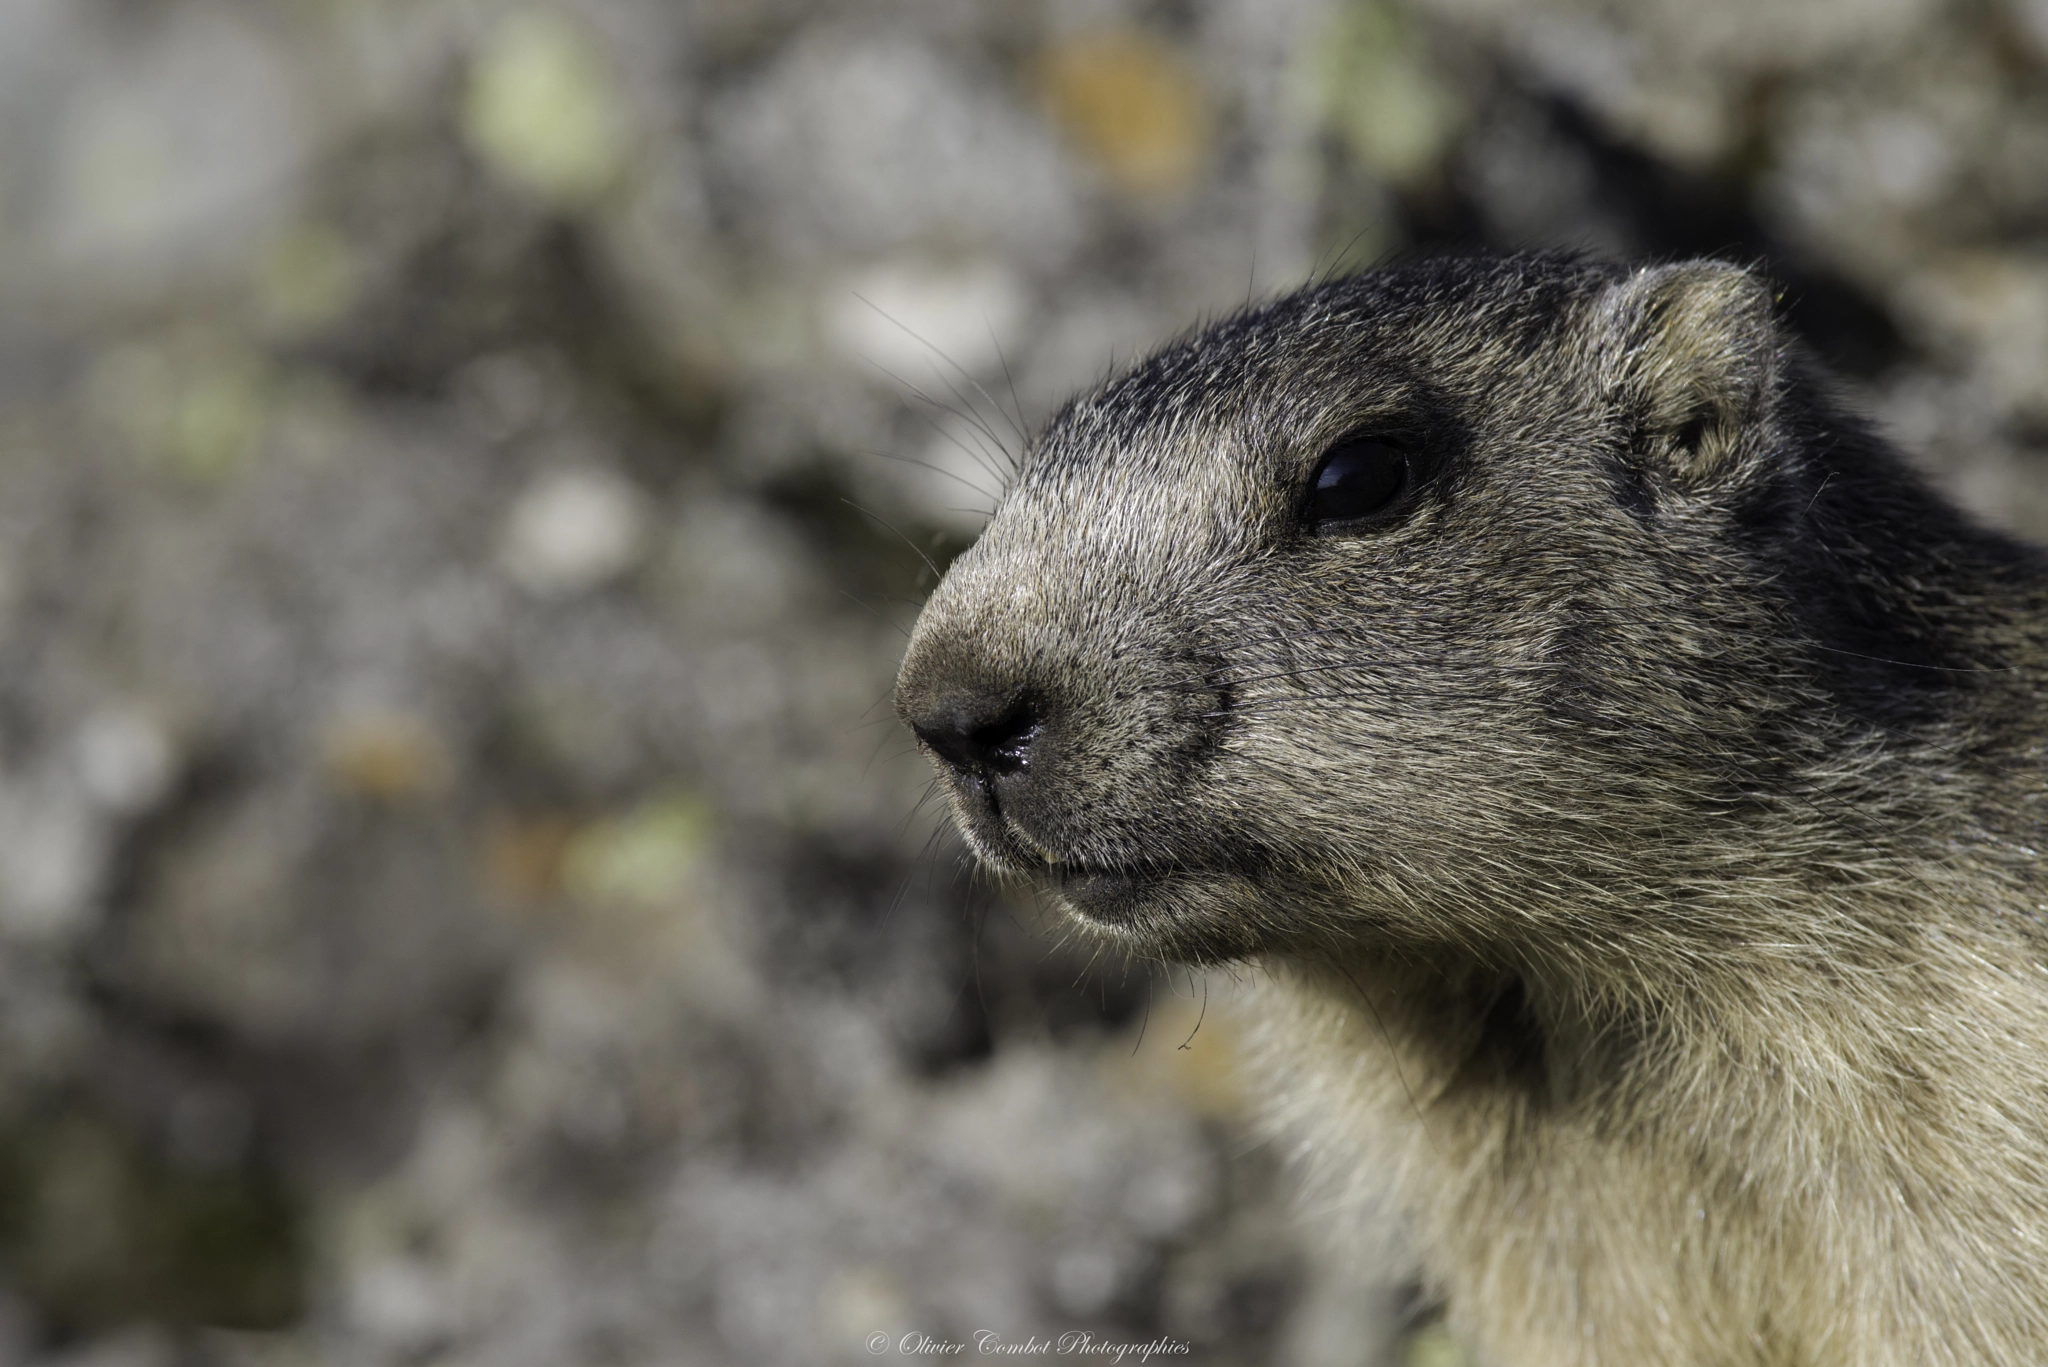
<point>1630,773</point>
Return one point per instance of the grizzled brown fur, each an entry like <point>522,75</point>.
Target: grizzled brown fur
<point>1640,819</point>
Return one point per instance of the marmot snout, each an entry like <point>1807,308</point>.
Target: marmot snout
<point>1631,774</point>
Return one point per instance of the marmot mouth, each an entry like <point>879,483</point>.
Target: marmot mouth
<point>1108,894</point>
<point>1083,876</point>
<point>1202,914</point>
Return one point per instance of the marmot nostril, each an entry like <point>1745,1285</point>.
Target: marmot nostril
<point>988,738</point>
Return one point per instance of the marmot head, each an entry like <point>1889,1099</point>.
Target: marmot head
<point>1476,602</point>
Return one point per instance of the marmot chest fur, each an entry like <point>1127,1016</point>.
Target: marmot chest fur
<point>1628,773</point>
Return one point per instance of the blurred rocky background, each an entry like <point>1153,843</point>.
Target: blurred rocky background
<point>465,468</point>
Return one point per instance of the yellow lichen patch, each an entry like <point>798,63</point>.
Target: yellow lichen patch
<point>390,756</point>
<point>1132,105</point>
<point>636,905</point>
<point>543,111</point>
<point>306,278</point>
<point>197,408</point>
<point>1433,1346</point>
<point>641,857</point>
<point>1379,90</point>
<point>1187,1048</point>
<point>858,1302</point>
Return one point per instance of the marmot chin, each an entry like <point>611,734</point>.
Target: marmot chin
<point>1630,773</point>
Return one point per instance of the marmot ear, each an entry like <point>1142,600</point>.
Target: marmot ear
<point>1691,353</point>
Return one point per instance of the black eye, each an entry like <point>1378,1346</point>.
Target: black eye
<point>1356,479</point>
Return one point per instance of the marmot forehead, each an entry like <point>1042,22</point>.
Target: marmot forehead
<point>1457,323</point>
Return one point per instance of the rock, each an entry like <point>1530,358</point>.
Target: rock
<point>572,530</point>
<point>184,142</point>
<point>542,109</point>
<point>928,326</point>
<point>856,144</point>
<point>52,863</point>
<point>125,760</point>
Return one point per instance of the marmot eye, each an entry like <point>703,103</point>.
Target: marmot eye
<point>1356,479</point>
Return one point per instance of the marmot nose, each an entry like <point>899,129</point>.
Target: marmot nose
<point>981,736</point>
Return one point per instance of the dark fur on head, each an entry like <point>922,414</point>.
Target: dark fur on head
<point>1660,774</point>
